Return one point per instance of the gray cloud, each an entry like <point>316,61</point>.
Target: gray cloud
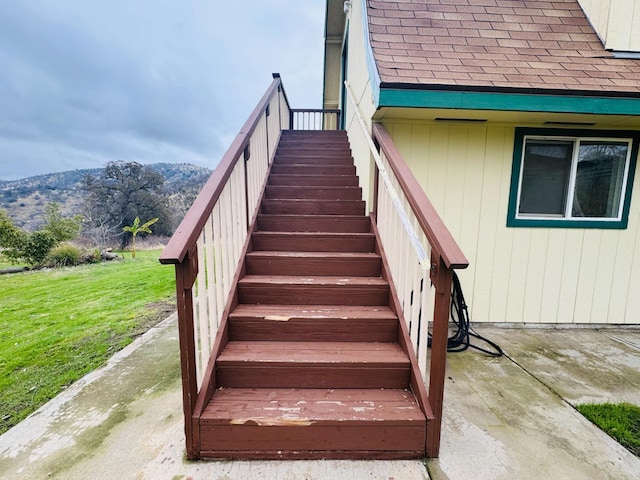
<point>82,83</point>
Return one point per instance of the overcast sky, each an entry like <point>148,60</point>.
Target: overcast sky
<point>86,82</point>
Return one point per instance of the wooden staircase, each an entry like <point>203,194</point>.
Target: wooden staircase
<point>313,362</point>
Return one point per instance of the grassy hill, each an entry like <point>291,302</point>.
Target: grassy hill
<point>25,199</point>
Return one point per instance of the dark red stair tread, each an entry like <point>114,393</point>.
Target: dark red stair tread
<point>313,180</point>
<point>313,263</point>
<point>295,206</point>
<point>302,169</point>
<point>323,193</point>
<point>313,353</point>
<point>311,280</point>
<point>317,323</point>
<point>314,241</point>
<point>290,312</point>
<point>304,407</point>
<point>314,223</point>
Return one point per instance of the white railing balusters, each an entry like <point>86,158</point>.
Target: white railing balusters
<point>315,119</point>
<point>419,250</point>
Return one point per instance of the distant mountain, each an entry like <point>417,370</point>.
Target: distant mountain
<point>25,199</point>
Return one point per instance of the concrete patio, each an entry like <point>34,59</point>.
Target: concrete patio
<point>505,418</point>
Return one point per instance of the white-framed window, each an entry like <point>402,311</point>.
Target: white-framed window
<point>572,178</point>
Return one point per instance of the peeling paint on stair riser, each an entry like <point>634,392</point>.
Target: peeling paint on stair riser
<point>273,422</point>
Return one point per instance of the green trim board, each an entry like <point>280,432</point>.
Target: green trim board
<point>525,102</point>
<point>521,133</point>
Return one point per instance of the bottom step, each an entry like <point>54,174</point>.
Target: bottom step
<point>312,423</point>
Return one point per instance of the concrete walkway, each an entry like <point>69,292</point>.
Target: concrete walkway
<point>506,418</point>
<point>513,417</point>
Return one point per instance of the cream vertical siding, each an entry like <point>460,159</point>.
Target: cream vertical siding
<point>617,22</point>
<point>360,85</point>
<point>519,275</point>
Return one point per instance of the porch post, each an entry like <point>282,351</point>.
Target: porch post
<point>442,278</point>
<point>186,273</point>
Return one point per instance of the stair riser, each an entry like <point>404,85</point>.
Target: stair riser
<point>314,441</point>
<point>323,151</point>
<point>313,330</point>
<point>313,170</point>
<point>315,267</point>
<point>315,144</point>
<point>318,244</point>
<point>314,135</point>
<point>313,295</point>
<point>283,223</point>
<point>320,144</point>
<point>326,193</point>
<point>313,207</point>
<point>313,181</point>
<point>255,375</point>
<point>301,158</point>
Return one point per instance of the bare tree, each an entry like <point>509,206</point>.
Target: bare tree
<point>124,191</point>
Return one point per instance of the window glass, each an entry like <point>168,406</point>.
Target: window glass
<point>599,179</point>
<point>545,177</point>
<point>572,178</point>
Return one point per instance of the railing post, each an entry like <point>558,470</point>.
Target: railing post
<point>245,155</point>
<point>186,273</point>
<point>279,109</point>
<point>266,129</point>
<point>376,182</point>
<point>442,278</point>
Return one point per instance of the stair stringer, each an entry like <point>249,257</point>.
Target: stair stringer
<point>209,383</point>
<point>415,380</point>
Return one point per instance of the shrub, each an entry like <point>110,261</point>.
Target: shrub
<point>90,256</point>
<point>37,246</point>
<point>64,255</point>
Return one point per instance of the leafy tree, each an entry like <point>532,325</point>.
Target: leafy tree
<point>18,245</point>
<point>136,228</point>
<point>9,233</point>
<point>124,191</point>
<point>62,228</point>
<point>36,247</point>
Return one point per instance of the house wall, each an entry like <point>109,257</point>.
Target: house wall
<point>530,275</point>
<point>332,74</point>
<point>359,82</point>
<point>617,22</point>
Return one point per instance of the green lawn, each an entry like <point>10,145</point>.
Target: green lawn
<point>619,420</point>
<point>57,325</point>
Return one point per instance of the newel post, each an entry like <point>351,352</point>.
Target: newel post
<point>186,273</point>
<point>442,278</point>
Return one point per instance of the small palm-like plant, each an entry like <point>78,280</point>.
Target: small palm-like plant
<point>137,228</point>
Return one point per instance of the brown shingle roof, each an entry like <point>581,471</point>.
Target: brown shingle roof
<point>526,44</point>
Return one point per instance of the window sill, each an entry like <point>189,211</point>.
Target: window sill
<point>564,223</point>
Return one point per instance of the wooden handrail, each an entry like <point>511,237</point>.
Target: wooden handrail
<point>440,239</point>
<point>189,229</point>
<point>315,110</point>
